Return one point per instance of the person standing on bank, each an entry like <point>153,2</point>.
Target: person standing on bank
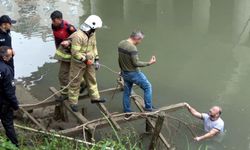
<point>8,100</point>
<point>61,31</point>
<point>84,61</point>
<point>129,64</point>
<point>5,38</point>
<point>213,124</point>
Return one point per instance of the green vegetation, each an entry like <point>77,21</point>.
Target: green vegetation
<point>127,141</point>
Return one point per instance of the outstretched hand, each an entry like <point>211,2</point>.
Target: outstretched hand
<point>152,60</point>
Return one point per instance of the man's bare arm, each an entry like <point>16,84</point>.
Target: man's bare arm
<point>208,135</point>
<point>193,111</point>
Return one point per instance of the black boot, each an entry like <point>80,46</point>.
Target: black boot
<point>74,107</point>
<point>62,97</point>
<point>101,100</point>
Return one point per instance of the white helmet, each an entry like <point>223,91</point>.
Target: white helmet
<point>92,22</point>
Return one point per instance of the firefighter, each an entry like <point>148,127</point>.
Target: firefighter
<point>61,31</point>
<point>84,61</point>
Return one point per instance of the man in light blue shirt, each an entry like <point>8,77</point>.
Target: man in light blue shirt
<point>213,124</point>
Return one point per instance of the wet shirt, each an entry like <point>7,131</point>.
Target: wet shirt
<point>209,124</point>
<point>7,86</point>
<point>128,57</point>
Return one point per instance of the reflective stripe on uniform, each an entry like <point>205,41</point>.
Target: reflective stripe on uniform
<point>63,55</point>
<point>76,47</point>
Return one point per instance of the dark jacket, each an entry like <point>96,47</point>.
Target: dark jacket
<point>7,86</point>
<point>5,40</point>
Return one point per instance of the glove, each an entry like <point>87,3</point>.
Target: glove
<point>97,65</point>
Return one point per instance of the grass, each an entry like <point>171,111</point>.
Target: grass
<point>34,141</point>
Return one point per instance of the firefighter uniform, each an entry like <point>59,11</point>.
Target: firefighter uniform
<point>62,54</point>
<point>8,100</point>
<point>83,47</point>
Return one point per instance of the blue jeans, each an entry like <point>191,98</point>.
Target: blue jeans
<point>141,80</point>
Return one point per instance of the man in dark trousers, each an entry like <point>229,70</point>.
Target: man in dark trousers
<point>5,38</point>
<point>8,100</point>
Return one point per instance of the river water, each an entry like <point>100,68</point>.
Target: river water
<point>202,48</point>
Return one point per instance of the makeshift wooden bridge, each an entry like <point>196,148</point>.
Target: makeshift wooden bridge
<point>87,127</point>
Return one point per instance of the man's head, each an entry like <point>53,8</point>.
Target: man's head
<point>6,22</point>
<point>215,112</point>
<point>56,18</point>
<point>136,37</point>
<point>6,53</point>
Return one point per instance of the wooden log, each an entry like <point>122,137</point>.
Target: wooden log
<point>157,130</point>
<point>33,119</point>
<point>140,104</point>
<point>59,136</point>
<point>60,112</point>
<point>53,102</point>
<point>119,118</point>
<point>109,116</point>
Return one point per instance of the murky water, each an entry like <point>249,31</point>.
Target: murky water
<point>202,47</point>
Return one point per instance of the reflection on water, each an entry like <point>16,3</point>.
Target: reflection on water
<point>202,48</point>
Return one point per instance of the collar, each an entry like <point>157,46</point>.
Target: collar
<point>3,32</point>
<point>60,27</point>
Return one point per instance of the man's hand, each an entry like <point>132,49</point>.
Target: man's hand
<point>152,60</point>
<point>187,105</point>
<point>65,43</point>
<point>197,139</point>
<point>97,65</point>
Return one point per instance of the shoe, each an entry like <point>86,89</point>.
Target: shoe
<point>128,116</point>
<point>102,100</point>
<point>74,107</point>
<point>150,109</point>
<point>62,97</point>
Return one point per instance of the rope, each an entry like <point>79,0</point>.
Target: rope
<point>48,98</point>
<point>109,69</point>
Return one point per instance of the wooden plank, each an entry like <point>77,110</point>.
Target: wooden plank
<point>53,102</point>
<point>157,130</point>
<point>106,112</point>
<point>140,104</point>
<point>33,119</point>
<point>60,112</point>
<point>119,118</point>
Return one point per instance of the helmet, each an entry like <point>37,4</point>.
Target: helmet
<point>92,22</point>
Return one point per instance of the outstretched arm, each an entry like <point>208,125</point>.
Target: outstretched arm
<point>208,135</point>
<point>193,111</point>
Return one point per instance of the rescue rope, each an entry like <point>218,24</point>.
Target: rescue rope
<point>48,98</point>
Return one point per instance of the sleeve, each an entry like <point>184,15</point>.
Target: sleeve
<point>9,89</point>
<point>71,29</point>
<point>204,116</point>
<point>135,59</point>
<point>219,126</point>
<point>76,47</point>
<point>95,49</point>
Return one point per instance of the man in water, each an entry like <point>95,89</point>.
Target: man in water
<point>213,124</point>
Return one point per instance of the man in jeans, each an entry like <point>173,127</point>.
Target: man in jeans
<point>129,64</point>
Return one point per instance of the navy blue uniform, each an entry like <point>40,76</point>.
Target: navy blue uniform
<point>5,40</point>
<point>8,100</point>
